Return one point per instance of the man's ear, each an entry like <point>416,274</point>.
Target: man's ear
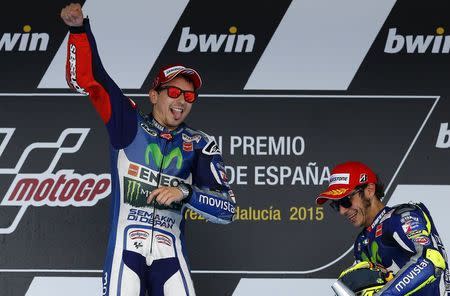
<point>153,95</point>
<point>370,190</point>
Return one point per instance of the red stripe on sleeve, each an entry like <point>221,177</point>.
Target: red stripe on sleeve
<point>80,77</point>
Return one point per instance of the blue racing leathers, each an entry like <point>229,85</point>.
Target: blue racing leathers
<point>404,240</point>
<point>145,250</point>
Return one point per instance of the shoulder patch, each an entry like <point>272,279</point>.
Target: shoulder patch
<point>198,133</point>
<point>189,139</point>
<point>211,148</point>
<point>404,208</point>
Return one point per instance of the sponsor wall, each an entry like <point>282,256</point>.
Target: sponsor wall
<point>290,90</point>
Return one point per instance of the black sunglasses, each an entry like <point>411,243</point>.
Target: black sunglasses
<point>345,202</point>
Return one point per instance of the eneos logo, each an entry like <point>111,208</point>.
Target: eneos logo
<point>62,188</point>
<point>22,41</point>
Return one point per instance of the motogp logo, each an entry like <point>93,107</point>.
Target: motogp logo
<point>62,188</point>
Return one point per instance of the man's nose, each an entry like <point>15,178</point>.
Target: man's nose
<point>342,210</point>
<point>181,99</point>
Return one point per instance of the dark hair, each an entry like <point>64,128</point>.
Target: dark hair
<point>379,188</point>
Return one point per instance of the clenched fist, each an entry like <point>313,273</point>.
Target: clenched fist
<point>72,15</point>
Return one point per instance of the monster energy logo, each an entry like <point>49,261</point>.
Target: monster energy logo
<point>155,152</point>
<point>375,257</point>
<point>133,190</point>
<point>136,194</point>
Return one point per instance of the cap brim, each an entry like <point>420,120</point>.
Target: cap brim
<point>332,194</point>
<point>191,73</point>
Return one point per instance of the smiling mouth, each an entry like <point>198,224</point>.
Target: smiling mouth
<point>352,217</point>
<point>177,112</point>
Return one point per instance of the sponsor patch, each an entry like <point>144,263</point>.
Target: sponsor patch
<point>157,125</point>
<point>217,203</point>
<point>414,234</point>
<point>73,71</point>
<point>379,230</point>
<point>409,218</point>
<point>188,147</point>
<point>410,226</point>
<point>410,276</point>
<point>336,191</point>
<point>211,148</point>
<point>146,217</point>
<point>377,220</point>
<point>422,240</point>
<point>339,179</point>
<point>138,234</point>
<point>194,138</point>
<point>166,136</point>
<point>162,239</point>
<point>171,70</point>
<point>363,178</point>
<point>133,170</point>
<point>148,130</point>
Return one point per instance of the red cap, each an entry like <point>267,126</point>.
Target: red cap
<point>168,73</point>
<point>344,178</point>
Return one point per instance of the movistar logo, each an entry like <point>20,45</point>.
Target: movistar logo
<point>154,151</point>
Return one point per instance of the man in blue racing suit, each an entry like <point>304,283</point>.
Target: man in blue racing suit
<point>160,168</point>
<point>403,239</point>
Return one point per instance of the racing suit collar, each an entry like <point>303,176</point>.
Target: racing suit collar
<point>378,218</point>
<point>162,128</point>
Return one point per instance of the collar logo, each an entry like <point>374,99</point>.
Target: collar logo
<point>166,136</point>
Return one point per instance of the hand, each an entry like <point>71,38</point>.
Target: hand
<point>365,277</point>
<point>72,15</point>
<point>165,195</point>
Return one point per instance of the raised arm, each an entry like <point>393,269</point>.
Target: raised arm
<point>86,74</point>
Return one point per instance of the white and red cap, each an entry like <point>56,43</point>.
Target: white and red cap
<point>168,73</point>
<point>344,178</point>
